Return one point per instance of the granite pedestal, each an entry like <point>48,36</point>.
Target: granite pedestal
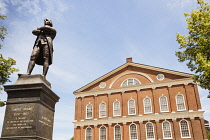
<point>29,110</point>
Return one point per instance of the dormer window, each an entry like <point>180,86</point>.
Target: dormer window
<point>130,82</point>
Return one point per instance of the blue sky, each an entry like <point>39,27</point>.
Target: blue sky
<point>93,38</point>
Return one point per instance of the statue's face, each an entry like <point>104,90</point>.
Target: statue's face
<point>48,22</point>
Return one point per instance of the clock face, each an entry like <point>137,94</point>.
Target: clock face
<point>102,85</point>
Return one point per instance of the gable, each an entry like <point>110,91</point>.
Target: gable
<point>143,73</point>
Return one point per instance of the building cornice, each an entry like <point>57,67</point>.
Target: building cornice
<point>140,118</point>
<point>167,83</point>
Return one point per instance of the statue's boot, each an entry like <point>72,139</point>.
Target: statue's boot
<point>45,68</point>
<point>31,65</point>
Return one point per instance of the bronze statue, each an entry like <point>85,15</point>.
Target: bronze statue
<point>42,53</point>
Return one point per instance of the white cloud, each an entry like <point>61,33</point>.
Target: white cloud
<point>63,126</point>
<point>3,9</point>
<point>27,6</point>
<point>35,8</point>
<point>173,4</point>
<point>59,72</point>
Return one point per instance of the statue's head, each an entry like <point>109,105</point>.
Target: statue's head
<point>47,21</point>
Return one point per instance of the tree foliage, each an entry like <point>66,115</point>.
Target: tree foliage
<point>208,134</point>
<point>195,47</point>
<point>6,65</point>
<point>3,31</point>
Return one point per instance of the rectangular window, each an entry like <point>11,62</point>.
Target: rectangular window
<point>180,102</point>
<point>102,110</point>
<point>131,107</point>
<point>116,108</point>
<point>89,111</point>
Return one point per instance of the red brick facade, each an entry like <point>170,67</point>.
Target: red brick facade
<point>177,115</point>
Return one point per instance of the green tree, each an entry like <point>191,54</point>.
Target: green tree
<point>195,47</point>
<point>72,138</point>
<point>6,65</point>
<point>208,134</point>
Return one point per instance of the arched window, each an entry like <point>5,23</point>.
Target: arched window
<point>133,132</point>
<point>130,82</point>
<point>150,131</point>
<point>116,106</point>
<point>147,105</point>
<point>88,134</point>
<point>180,102</point>
<point>117,132</point>
<point>89,111</point>
<point>163,104</point>
<point>102,108</point>
<point>166,130</point>
<point>103,133</point>
<point>131,107</point>
<point>184,128</point>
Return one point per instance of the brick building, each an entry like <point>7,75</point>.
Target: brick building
<point>207,125</point>
<point>139,102</point>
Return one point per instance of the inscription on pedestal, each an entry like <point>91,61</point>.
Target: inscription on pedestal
<point>46,121</point>
<point>27,120</point>
<point>20,118</point>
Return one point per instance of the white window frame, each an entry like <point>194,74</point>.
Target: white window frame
<point>120,131</point>
<point>153,131</point>
<point>127,82</point>
<point>91,133</point>
<point>145,106</point>
<point>183,102</point>
<point>129,107</point>
<point>130,131</point>
<point>169,129</point>
<point>181,129</point>
<point>161,109</point>
<point>100,110</point>
<point>87,111</point>
<point>100,132</point>
<point>114,109</point>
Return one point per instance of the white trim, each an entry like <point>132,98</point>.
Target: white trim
<point>119,109</point>
<point>169,128</point>
<point>161,104</point>
<point>100,132</point>
<point>150,105</point>
<point>181,129</point>
<point>130,131</point>
<point>153,131</point>
<point>120,131</point>
<point>183,101</point>
<point>129,106</point>
<point>141,118</point>
<point>87,112</point>
<point>139,73</point>
<point>86,132</point>
<point>100,110</point>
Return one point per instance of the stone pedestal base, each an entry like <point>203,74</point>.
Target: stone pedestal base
<point>30,109</point>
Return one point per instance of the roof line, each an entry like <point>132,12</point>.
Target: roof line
<point>132,64</point>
